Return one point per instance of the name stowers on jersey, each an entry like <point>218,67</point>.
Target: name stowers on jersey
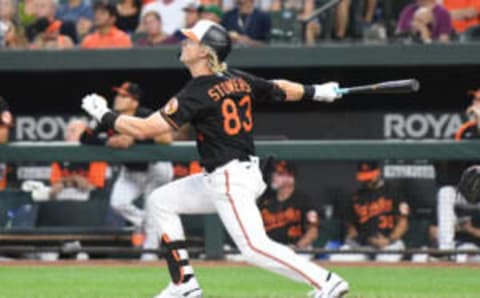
<point>220,108</point>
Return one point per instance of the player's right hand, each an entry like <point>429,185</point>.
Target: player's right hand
<point>95,105</point>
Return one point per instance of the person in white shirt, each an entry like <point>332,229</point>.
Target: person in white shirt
<point>171,12</point>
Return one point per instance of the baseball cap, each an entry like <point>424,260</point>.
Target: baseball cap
<point>368,171</point>
<point>129,89</point>
<point>192,6</point>
<point>106,5</point>
<point>284,167</point>
<point>215,9</point>
<point>212,35</point>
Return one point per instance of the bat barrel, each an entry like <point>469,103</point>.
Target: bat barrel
<point>389,87</point>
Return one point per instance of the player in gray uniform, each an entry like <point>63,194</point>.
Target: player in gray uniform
<point>218,103</point>
<point>135,179</point>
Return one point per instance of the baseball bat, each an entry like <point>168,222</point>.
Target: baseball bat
<point>388,87</point>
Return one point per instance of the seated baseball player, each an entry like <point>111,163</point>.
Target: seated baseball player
<point>288,214</point>
<point>377,218</point>
<point>135,179</point>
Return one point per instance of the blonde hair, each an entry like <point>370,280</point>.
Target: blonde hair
<point>214,63</point>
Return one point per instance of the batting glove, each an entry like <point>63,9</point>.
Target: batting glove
<point>326,92</point>
<point>95,105</point>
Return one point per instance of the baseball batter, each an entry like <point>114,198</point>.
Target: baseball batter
<point>218,103</point>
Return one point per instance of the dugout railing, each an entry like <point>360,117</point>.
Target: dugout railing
<point>212,244</point>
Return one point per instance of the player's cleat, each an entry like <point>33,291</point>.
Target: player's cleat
<point>335,287</point>
<point>190,289</point>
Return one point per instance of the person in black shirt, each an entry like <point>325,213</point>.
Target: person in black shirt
<point>128,15</point>
<point>135,179</point>
<point>218,103</point>
<point>288,214</point>
<point>377,217</point>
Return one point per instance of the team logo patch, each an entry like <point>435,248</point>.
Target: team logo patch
<point>171,107</point>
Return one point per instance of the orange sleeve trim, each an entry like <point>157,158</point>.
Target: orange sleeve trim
<point>169,120</point>
<point>195,167</point>
<point>463,128</point>
<point>96,173</point>
<point>56,173</point>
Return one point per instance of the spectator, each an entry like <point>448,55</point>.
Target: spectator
<point>49,37</point>
<point>230,4</point>
<point>171,12</point>
<point>247,25</point>
<point>70,180</point>
<point>288,214</point>
<point>211,12</point>
<point>211,2</point>
<point>153,35</point>
<point>192,14</point>
<point>78,12</point>
<point>287,16</point>
<point>128,15</point>
<point>378,218</point>
<point>14,36</point>
<point>48,9</point>
<point>135,179</point>
<point>106,35</point>
<point>7,10</point>
<point>465,13</point>
<point>26,9</point>
<point>425,20</point>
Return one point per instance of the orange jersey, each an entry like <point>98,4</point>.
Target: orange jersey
<point>461,25</point>
<point>115,38</point>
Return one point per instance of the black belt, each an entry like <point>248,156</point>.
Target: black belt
<point>209,168</point>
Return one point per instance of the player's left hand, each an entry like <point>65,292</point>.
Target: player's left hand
<point>95,105</point>
<point>327,92</point>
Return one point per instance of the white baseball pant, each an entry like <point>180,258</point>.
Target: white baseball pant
<point>132,184</point>
<point>231,191</point>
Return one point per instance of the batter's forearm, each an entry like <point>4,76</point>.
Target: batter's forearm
<point>141,128</point>
<point>131,126</point>
<point>293,91</point>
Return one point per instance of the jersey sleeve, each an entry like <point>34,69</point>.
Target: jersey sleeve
<point>263,90</point>
<point>309,211</point>
<point>184,107</point>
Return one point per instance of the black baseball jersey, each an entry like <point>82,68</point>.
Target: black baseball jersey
<point>101,133</point>
<point>376,211</point>
<point>449,172</point>
<point>287,221</point>
<point>219,107</point>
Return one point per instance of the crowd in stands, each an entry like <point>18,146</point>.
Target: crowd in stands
<point>63,24</point>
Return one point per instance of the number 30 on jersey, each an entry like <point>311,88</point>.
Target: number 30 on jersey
<point>233,119</point>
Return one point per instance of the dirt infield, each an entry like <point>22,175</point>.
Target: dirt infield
<point>135,263</point>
